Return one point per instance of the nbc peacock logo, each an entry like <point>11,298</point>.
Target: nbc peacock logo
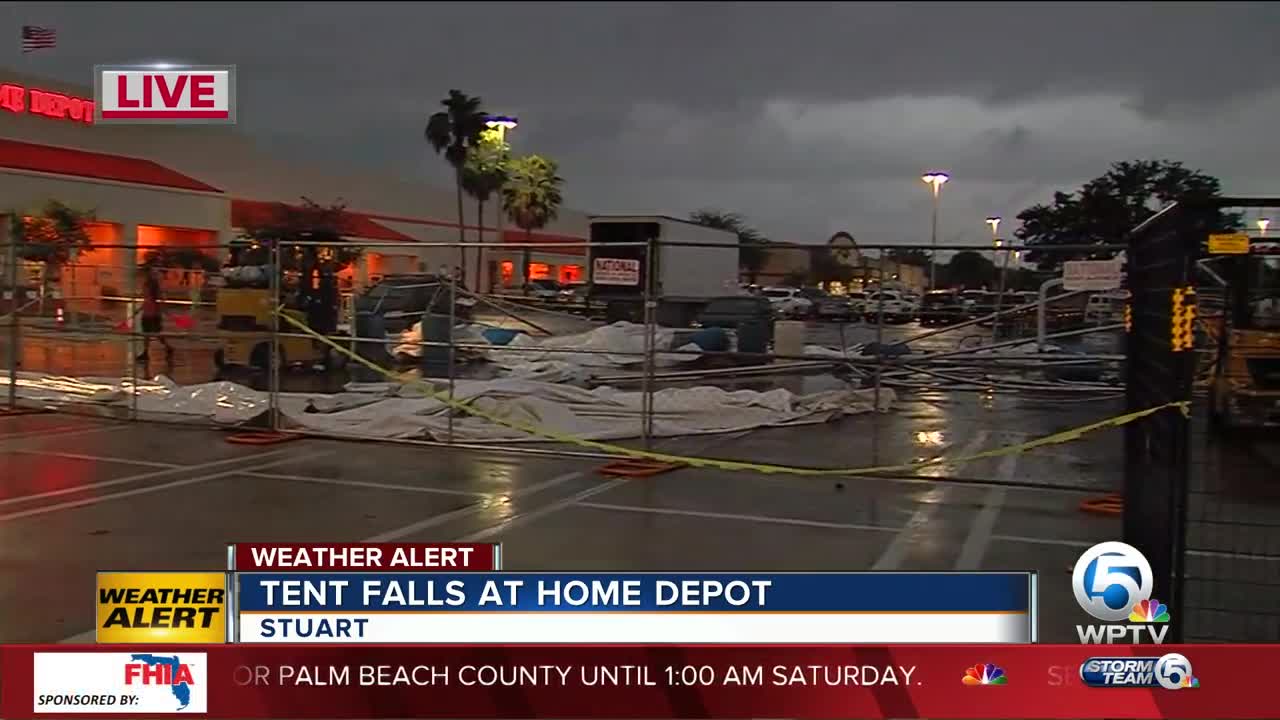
<point>1149,611</point>
<point>985,674</point>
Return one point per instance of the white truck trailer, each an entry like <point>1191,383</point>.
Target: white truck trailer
<point>691,265</point>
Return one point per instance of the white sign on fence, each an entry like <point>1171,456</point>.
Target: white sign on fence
<point>1091,275</point>
<point>615,271</point>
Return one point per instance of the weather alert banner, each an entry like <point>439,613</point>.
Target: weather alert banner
<point>635,681</point>
<point>490,608</point>
<point>162,607</point>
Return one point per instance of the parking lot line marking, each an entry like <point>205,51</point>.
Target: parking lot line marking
<point>523,518</point>
<point>65,431</point>
<point>763,519</point>
<point>979,537</point>
<point>1090,543</point>
<point>144,477</point>
<point>469,510</point>
<point>368,484</point>
<point>555,507</point>
<point>894,554</point>
<point>98,458</point>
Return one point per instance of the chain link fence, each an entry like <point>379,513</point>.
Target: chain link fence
<point>818,357</point>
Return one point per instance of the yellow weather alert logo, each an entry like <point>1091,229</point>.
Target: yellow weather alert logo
<point>162,607</point>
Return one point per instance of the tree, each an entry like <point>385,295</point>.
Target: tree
<point>532,198</point>
<point>52,236</point>
<point>289,225</point>
<point>752,253</point>
<point>453,132</point>
<point>1105,209</point>
<point>970,269</point>
<point>484,174</point>
<point>910,256</point>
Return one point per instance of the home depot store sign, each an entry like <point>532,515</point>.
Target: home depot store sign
<point>19,99</point>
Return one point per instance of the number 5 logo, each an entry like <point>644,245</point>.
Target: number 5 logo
<point>1109,578</point>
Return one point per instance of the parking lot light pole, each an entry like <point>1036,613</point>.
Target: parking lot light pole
<point>935,180</point>
<point>499,124</point>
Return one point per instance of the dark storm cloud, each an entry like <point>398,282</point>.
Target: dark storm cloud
<point>809,118</point>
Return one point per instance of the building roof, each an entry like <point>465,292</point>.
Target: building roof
<point>359,225</point>
<point>101,166</point>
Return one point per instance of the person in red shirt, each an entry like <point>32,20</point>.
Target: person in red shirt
<point>153,316</point>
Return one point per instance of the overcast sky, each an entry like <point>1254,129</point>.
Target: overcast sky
<point>808,119</point>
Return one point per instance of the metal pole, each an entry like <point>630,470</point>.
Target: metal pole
<point>995,322</point>
<point>1042,325</point>
<point>131,267</point>
<point>650,320</point>
<point>933,257</point>
<point>273,348</point>
<point>14,335</point>
<point>453,300</point>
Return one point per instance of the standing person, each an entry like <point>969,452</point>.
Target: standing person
<point>153,317</point>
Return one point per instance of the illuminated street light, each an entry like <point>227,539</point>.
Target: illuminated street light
<point>1262,225</point>
<point>994,222</point>
<point>934,180</point>
<point>501,124</point>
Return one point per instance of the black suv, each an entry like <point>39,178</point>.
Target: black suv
<point>942,307</point>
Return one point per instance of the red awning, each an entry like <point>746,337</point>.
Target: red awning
<point>101,166</point>
<point>256,212</point>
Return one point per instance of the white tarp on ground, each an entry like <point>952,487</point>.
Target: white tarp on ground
<point>618,345</point>
<point>393,411</point>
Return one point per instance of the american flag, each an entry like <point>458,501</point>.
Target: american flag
<point>35,38</point>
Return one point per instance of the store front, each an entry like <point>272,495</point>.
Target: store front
<point>165,188</point>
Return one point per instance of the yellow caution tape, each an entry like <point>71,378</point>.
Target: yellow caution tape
<point>701,462</point>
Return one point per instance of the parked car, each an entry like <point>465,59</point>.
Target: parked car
<point>788,302</point>
<point>573,293</point>
<point>895,307</point>
<point>548,290</point>
<point>829,307</point>
<point>942,307</point>
<point>858,303</point>
<point>749,316</point>
<point>1104,308</point>
<point>971,300</point>
<point>1003,303</point>
<point>402,299</point>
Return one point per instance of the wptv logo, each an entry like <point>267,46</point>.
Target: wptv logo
<point>1113,582</point>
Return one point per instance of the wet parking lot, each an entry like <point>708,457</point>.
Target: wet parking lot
<point>82,494</point>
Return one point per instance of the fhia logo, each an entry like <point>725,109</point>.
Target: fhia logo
<point>163,94</point>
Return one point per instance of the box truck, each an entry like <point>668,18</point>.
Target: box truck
<point>691,264</point>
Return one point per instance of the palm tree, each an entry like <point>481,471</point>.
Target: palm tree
<point>532,198</point>
<point>751,243</point>
<point>52,236</point>
<point>483,174</point>
<point>453,132</point>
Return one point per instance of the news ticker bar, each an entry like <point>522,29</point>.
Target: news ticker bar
<point>304,605</point>
<point>654,681</point>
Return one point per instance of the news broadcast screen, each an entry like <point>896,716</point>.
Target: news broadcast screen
<point>395,630</point>
<point>639,360</point>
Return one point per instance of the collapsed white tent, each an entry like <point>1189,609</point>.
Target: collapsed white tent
<point>618,345</point>
<point>394,411</point>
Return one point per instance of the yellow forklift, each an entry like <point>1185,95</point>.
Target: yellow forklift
<point>244,306</point>
<point>1244,391</point>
